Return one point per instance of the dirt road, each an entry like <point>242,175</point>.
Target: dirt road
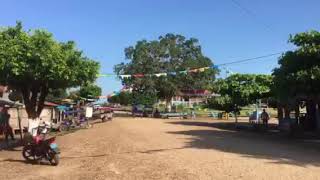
<point>129,148</point>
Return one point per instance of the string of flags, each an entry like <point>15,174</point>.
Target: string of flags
<point>116,93</point>
<point>228,71</point>
<point>125,88</point>
<point>123,76</point>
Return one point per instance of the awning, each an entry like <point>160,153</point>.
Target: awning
<point>50,104</point>
<point>63,108</point>
<point>74,111</point>
<point>67,100</point>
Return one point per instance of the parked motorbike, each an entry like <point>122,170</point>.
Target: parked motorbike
<point>82,122</point>
<point>65,125</point>
<point>73,123</point>
<point>39,148</point>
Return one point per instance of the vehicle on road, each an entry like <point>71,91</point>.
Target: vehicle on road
<point>72,122</point>
<point>106,113</point>
<point>39,147</point>
<point>141,110</point>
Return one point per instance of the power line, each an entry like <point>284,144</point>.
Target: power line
<point>250,59</point>
<point>252,14</point>
<point>228,63</point>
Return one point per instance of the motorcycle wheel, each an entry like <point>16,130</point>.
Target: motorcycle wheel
<point>27,153</point>
<point>55,159</point>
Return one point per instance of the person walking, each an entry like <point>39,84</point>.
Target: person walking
<point>265,118</point>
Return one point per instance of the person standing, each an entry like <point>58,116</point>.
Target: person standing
<point>193,114</point>
<point>2,122</point>
<point>7,128</point>
<point>265,118</point>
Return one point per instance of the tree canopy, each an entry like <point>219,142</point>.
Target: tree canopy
<point>240,90</point>
<point>299,69</point>
<point>298,76</point>
<point>169,54</point>
<point>56,95</point>
<point>123,98</point>
<point>33,63</point>
<point>90,91</point>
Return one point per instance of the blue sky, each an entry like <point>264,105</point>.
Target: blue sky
<point>102,29</point>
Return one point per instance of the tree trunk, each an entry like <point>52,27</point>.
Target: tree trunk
<point>297,112</point>
<point>34,96</point>
<point>280,113</point>
<point>168,104</point>
<point>318,117</point>
<point>30,98</point>
<point>236,118</point>
<point>311,123</point>
<point>286,112</point>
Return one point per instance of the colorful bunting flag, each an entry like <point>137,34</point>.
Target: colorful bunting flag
<point>105,75</point>
<point>161,74</point>
<point>138,75</point>
<point>125,76</point>
<point>172,73</point>
<point>183,72</point>
<point>122,76</point>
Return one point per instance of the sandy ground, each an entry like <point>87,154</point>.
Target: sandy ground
<point>138,148</point>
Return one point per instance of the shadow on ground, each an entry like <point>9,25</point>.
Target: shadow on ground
<point>223,136</point>
<point>26,162</point>
<point>9,145</point>
<point>151,151</point>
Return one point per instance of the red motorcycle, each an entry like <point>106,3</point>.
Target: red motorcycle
<point>41,148</point>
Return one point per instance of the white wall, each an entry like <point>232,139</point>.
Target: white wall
<point>45,116</point>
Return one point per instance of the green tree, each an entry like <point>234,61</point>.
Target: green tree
<point>298,76</point>
<point>35,63</point>
<point>90,91</point>
<point>125,98</point>
<point>114,99</point>
<point>240,90</point>
<point>56,95</point>
<point>169,54</point>
<point>223,103</point>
